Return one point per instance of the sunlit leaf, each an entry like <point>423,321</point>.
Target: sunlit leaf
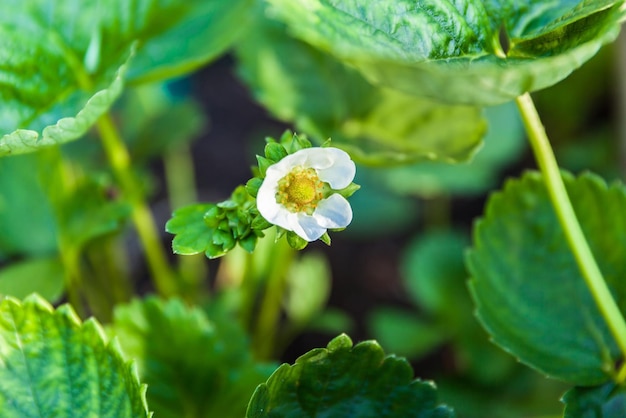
<point>52,365</point>
<point>328,99</point>
<point>64,65</point>
<point>452,50</point>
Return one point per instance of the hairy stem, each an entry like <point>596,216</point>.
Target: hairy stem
<point>162,274</point>
<point>571,227</point>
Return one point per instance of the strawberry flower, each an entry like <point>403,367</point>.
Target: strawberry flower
<point>301,192</point>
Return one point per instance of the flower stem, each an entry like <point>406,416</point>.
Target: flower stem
<point>162,274</point>
<point>571,227</point>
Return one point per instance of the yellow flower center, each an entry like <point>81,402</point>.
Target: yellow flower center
<point>300,190</point>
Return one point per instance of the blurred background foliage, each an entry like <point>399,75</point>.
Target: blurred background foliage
<point>396,275</point>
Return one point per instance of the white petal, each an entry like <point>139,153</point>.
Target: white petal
<point>306,227</point>
<point>284,166</point>
<point>340,173</point>
<point>333,212</point>
<point>267,205</point>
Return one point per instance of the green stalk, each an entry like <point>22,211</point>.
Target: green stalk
<point>180,181</point>
<point>571,227</point>
<point>162,274</point>
<point>264,338</point>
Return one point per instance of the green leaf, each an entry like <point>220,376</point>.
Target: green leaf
<point>154,123</point>
<point>275,151</point>
<point>433,268</point>
<point>405,334</point>
<point>529,293</point>
<point>88,213</point>
<point>328,99</point>
<point>52,365</point>
<point>194,367</point>
<point>193,235</point>
<point>44,276</point>
<point>308,287</point>
<point>64,66</point>
<point>27,219</point>
<point>342,380</point>
<point>435,276</point>
<point>606,401</point>
<point>450,50</point>
<point>295,241</point>
<point>503,143</point>
<point>182,36</point>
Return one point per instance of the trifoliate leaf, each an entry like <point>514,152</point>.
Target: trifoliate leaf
<point>64,66</point>
<point>328,99</point>
<point>193,366</point>
<point>342,380</point>
<point>451,50</point>
<point>52,365</point>
<point>606,401</point>
<point>44,276</point>
<point>529,293</point>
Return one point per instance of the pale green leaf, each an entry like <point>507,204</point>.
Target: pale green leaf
<point>51,365</point>
<point>342,380</point>
<point>405,334</point>
<point>27,222</point>
<point>529,293</point>
<point>44,276</point>
<point>308,287</point>
<point>451,50</point>
<point>328,99</point>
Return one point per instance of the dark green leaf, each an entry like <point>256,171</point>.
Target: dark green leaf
<point>450,50</point>
<point>529,293</point>
<point>342,380</point>
<point>606,401</point>
<point>52,365</point>
<point>326,98</point>
<point>194,367</point>
<point>44,276</point>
